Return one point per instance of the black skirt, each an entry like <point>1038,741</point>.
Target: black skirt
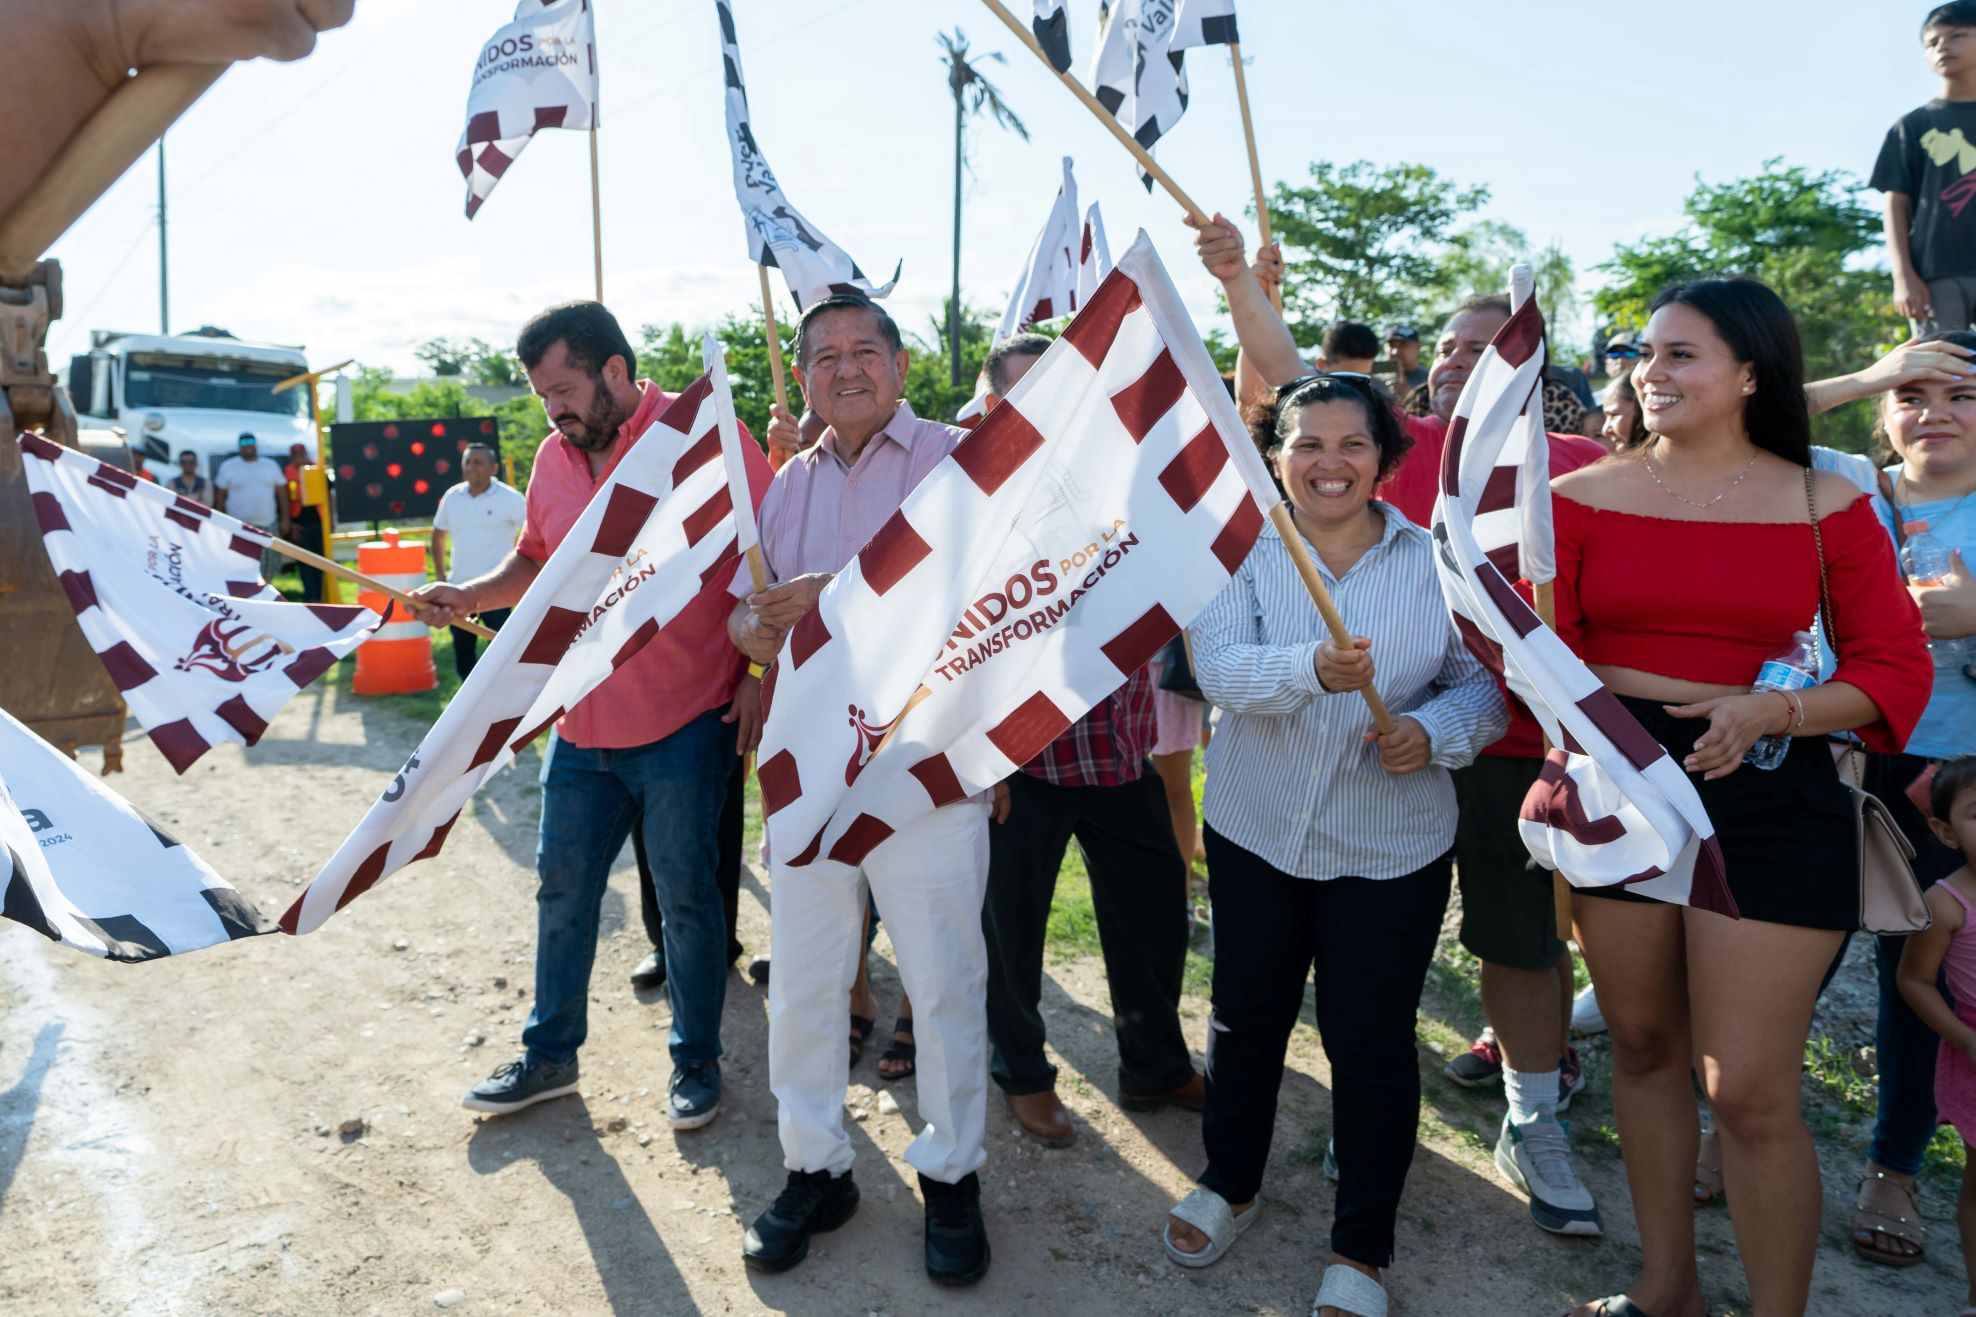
<point>1789,842</point>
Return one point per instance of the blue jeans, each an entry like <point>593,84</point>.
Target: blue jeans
<point>1904,1047</point>
<point>672,791</point>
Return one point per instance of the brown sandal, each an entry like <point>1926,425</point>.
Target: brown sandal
<point>1888,1207</point>
<point>1708,1171</point>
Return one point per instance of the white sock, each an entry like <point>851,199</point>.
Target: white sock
<point>1531,1093</point>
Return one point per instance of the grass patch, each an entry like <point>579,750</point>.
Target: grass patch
<point>1310,1148</point>
<point>1845,1091</point>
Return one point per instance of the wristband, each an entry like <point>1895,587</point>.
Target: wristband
<point>1798,700</point>
<point>1785,730</point>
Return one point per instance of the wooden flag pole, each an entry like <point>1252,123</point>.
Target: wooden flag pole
<point>596,220</point>
<point>1544,597</point>
<point>1125,139</point>
<point>774,341</point>
<point>1293,540</point>
<point>1255,161</point>
<point>108,142</point>
<point>296,553</point>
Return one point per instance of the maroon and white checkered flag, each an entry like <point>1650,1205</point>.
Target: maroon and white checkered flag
<point>1071,535</point>
<point>657,532</point>
<point>1048,286</point>
<point>539,71</point>
<point>1612,806</point>
<point>169,594</point>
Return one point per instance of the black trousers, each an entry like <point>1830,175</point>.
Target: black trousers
<point>466,645</point>
<point>728,875</point>
<point>1139,889</point>
<point>1371,941</point>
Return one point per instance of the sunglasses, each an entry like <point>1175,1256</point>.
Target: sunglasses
<point>1623,353</point>
<point>1357,379</point>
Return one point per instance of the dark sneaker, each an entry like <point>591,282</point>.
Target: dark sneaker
<point>811,1202</point>
<point>651,971</point>
<point>956,1240</point>
<point>1570,1077</point>
<point>758,971</point>
<point>521,1084</point>
<point>1479,1065</point>
<point>693,1097</point>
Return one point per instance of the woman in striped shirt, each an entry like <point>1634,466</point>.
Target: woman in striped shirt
<point>1327,842</point>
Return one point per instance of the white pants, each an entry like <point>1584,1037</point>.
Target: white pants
<point>929,879</point>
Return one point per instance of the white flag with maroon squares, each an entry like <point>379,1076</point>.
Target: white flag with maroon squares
<point>80,866</point>
<point>657,532</point>
<point>1612,807</point>
<point>1048,286</point>
<point>1087,519</point>
<point>169,594</point>
<point>539,71</point>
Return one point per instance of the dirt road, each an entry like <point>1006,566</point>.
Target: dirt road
<point>169,1133</point>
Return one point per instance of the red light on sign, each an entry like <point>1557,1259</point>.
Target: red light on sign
<point>370,452</point>
<point>347,472</point>
<point>441,465</point>
<point>418,449</point>
<point>419,486</point>
<point>373,489</point>
<point>390,432</point>
<point>487,427</point>
<point>438,430</point>
<point>393,470</point>
<point>397,507</point>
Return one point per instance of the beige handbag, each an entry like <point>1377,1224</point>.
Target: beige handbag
<point>1890,899</point>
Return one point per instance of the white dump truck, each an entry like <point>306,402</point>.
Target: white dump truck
<point>198,391</point>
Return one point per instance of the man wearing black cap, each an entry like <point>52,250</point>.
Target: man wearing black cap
<point>1403,346</point>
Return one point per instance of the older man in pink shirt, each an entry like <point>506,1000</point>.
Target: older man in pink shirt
<point>650,748</point>
<point>928,878</point>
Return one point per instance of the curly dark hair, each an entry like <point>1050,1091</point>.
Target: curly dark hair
<point>1271,420</point>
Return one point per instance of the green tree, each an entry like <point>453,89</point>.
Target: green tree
<point>930,388</point>
<point>1367,242</point>
<point>444,357</point>
<point>493,367</point>
<point>1801,232</point>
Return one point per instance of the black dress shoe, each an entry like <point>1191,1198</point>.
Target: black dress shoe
<point>651,971</point>
<point>956,1241</point>
<point>810,1202</point>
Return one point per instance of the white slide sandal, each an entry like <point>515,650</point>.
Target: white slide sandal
<point>1209,1213</point>
<point>1350,1290</point>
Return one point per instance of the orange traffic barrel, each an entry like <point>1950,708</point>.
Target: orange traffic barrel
<point>397,659</point>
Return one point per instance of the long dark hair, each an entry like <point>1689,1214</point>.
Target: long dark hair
<point>1271,419</point>
<point>1762,334</point>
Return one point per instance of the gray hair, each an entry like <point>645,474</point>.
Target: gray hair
<point>1017,345</point>
<point>888,329</point>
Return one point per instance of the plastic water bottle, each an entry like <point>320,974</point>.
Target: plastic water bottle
<point>1790,669</point>
<point>1927,562</point>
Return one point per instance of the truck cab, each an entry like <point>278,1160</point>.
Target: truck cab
<point>198,391</point>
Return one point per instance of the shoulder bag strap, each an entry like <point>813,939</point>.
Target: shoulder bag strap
<point>1893,509</point>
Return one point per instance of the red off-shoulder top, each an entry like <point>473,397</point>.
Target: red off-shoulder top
<point>1710,601</point>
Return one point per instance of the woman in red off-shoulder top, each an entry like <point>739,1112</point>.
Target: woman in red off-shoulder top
<point>1683,565</point>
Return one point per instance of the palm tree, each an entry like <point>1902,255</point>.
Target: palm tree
<point>972,94</point>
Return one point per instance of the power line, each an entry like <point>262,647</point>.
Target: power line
<point>81,318</point>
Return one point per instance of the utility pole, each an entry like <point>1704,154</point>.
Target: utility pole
<point>164,254</point>
<point>958,76</point>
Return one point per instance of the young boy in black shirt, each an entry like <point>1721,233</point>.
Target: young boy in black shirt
<point>1927,168</point>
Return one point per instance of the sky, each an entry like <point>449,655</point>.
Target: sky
<point>317,203</point>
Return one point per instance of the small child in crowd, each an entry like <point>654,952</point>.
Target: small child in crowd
<point>1951,943</point>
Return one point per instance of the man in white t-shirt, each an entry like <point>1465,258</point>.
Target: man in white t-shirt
<point>250,487</point>
<point>480,519</point>
<point>247,485</point>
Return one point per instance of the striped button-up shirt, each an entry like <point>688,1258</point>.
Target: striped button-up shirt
<point>1290,777</point>
<point>821,510</point>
